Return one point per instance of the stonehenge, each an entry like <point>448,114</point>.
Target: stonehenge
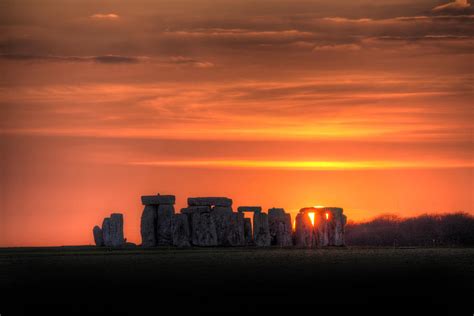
<point>211,222</point>
<point>111,233</point>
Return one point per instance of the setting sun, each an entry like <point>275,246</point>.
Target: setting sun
<point>311,218</point>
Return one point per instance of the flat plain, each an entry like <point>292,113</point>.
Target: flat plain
<point>233,279</point>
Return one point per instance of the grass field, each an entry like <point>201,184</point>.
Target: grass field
<point>234,278</point>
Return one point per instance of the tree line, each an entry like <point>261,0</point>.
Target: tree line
<point>453,229</point>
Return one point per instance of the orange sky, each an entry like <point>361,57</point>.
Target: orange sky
<point>366,105</point>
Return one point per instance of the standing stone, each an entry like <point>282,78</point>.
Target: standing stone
<point>222,219</point>
<point>261,231</point>
<point>106,232</point>
<point>112,230</point>
<point>164,236</point>
<point>248,231</point>
<point>98,237</point>
<point>148,226</point>
<point>203,229</point>
<point>286,239</point>
<point>320,230</point>
<point>304,231</point>
<point>335,226</point>
<point>235,236</point>
<point>180,230</point>
<point>280,227</point>
<point>116,230</point>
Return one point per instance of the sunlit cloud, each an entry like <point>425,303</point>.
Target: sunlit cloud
<point>341,47</point>
<point>180,60</point>
<point>333,107</point>
<point>456,5</point>
<point>347,20</point>
<point>107,16</point>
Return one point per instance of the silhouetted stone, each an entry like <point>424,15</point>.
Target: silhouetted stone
<point>248,231</point>
<point>304,231</point>
<point>148,226</point>
<point>335,226</point>
<point>254,209</point>
<point>261,231</point>
<point>276,212</point>
<point>209,201</point>
<point>288,233</point>
<point>106,232</point>
<point>164,234</point>
<point>195,209</point>
<point>98,237</point>
<point>222,219</point>
<point>116,230</point>
<point>320,230</point>
<point>235,235</point>
<point>180,230</point>
<point>280,227</point>
<point>112,230</point>
<point>203,229</point>
<point>158,199</point>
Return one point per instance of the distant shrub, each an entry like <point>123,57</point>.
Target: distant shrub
<point>456,229</point>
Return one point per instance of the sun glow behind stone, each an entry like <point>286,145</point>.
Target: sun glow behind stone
<point>311,217</point>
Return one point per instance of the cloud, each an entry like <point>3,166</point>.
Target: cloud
<point>103,59</point>
<point>340,47</point>
<point>325,107</point>
<point>238,38</point>
<point>115,59</point>
<point>112,59</point>
<point>108,16</point>
<point>456,5</point>
<point>180,60</point>
<point>346,20</point>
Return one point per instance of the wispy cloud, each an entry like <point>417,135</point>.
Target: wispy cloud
<point>104,59</point>
<point>180,60</point>
<point>456,5</point>
<point>106,16</point>
<point>112,59</point>
<point>336,47</point>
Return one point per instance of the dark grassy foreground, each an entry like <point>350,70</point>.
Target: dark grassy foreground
<point>86,279</point>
